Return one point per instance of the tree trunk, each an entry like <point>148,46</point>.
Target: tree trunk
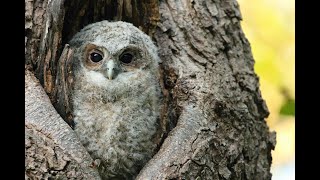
<point>52,148</point>
<point>214,120</point>
<point>221,132</point>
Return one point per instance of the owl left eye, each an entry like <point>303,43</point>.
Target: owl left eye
<point>95,57</point>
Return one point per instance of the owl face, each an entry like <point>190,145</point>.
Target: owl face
<point>113,60</point>
<point>114,48</point>
<point>110,65</point>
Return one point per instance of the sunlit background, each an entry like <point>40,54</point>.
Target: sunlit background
<point>269,26</point>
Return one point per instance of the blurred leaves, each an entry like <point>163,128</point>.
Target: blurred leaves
<point>269,26</point>
<point>288,108</point>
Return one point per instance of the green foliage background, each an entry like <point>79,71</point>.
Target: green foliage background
<point>269,26</point>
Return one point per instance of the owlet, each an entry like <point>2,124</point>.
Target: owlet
<point>115,96</point>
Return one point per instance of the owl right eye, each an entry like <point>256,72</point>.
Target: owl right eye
<point>95,57</point>
<point>126,58</point>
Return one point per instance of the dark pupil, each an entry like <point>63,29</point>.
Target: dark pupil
<point>126,58</point>
<point>95,57</point>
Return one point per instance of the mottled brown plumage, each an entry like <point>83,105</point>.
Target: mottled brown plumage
<point>115,96</point>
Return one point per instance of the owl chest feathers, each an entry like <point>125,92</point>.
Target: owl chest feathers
<point>104,103</point>
<point>116,119</point>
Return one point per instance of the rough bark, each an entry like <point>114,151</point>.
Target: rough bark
<point>214,109</point>
<point>52,148</point>
<point>221,131</point>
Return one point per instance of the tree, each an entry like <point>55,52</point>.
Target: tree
<point>214,119</point>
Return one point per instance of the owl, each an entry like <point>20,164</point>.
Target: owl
<point>115,96</point>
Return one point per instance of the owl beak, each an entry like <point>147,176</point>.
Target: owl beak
<point>110,69</point>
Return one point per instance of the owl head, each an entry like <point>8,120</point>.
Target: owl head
<point>113,48</point>
<point>111,55</point>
